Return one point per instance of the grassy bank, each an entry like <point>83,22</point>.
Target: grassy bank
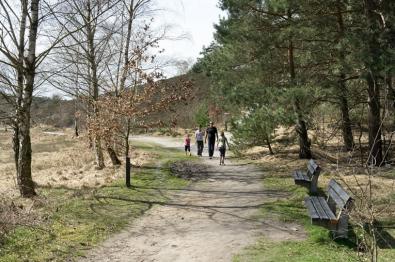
<point>74,220</point>
<point>318,246</point>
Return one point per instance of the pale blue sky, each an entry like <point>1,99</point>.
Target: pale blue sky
<point>195,18</point>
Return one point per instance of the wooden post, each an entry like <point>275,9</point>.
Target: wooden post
<point>128,169</point>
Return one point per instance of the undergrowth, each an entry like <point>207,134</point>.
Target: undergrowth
<point>74,221</point>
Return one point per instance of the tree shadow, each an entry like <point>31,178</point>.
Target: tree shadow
<point>385,240</point>
<point>350,242</point>
<point>274,193</point>
<point>213,210</point>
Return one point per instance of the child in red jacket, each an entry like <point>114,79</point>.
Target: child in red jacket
<point>187,144</point>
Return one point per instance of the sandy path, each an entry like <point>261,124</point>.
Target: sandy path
<point>211,220</point>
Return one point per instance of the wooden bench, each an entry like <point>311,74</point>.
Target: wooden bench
<point>308,178</point>
<point>333,211</point>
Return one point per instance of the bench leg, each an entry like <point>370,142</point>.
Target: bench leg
<point>342,227</point>
<point>314,185</point>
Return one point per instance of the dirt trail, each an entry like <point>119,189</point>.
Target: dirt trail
<point>211,220</point>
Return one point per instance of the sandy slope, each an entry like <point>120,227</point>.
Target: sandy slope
<point>211,220</point>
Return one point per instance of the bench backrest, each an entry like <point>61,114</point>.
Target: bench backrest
<point>338,198</point>
<point>313,169</point>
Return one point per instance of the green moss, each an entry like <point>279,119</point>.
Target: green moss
<point>77,220</point>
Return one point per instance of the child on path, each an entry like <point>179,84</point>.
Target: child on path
<point>187,144</point>
<point>221,145</point>
<point>199,136</point>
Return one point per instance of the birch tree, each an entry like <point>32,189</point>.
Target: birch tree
<point>100,54</point>
<point>20,38</point>
<point>87,53</point>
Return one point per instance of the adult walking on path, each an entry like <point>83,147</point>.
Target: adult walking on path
<point>199,136</point>
<point>211,220</point>
<point>211,137</point>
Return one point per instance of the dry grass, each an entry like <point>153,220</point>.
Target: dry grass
<point>17,213</point>
<point>336,164</point>
<point>59,161</point>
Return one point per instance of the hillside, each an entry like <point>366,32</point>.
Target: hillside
<point>53,111</point>
<point>57,112</point>
<point>200,96</point>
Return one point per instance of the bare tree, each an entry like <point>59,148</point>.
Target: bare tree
<point>25,27</point>
<point>101,53</point>
<point>19,23</point>
<point>87,54</point>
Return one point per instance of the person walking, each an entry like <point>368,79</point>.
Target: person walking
<point>187,145</point>
<point>222,143</point>
<point>211,137</point>
<point>199,136</point>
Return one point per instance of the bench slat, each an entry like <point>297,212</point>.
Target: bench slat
<point>300,175</point>
<point>312,168</point>
<point>317,203</point>
<point>338,194</point>
<point>310,207</point>
<point>327,209</point>
<point>340,203</point>
<point>333,184</point>
<point>309,178</point>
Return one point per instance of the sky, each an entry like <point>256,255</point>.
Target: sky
<point>193,18</point>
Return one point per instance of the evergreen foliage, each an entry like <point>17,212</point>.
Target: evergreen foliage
<point>296,55</point>
<point>201,116</point>
<point>256,127</point>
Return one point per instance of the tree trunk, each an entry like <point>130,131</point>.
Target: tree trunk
<point>15,144</point>
<point>113,156</point>
<point>342,87</point>
<point>304,141</point>
<point>24,172</point>
<point>99,154</point>
<point>390,91</point>
<point>127,134</point>
<point>128,165</point>
<point>76,134</point>
<point>348,138</point>
<point>374,122</point>
<point>373,65</point>
<point>128,168</point>
<point>269,146</point>
<point>20,81</point>
<point>301,127</point>
<point>125,68</point>
<point>90,141</point>
<point>94,83</point>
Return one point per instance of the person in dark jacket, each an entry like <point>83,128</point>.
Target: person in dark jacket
<point>211,138</point>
